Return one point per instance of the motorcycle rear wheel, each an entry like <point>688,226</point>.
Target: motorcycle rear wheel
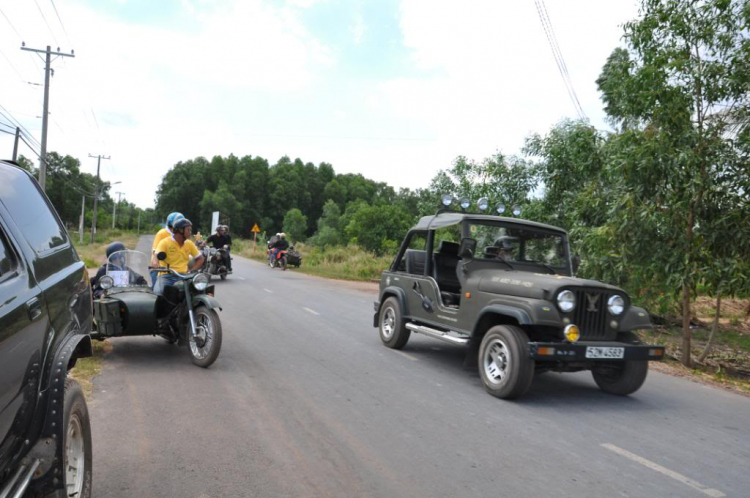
<point>205,348</point>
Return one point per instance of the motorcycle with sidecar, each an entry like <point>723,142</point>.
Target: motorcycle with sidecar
<point>183,313</point>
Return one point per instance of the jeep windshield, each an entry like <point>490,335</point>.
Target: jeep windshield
<point>521,248</point>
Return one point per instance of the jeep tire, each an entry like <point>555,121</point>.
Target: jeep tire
<point>393,331</point>
<point>505,365</point>
<point>621,377</point>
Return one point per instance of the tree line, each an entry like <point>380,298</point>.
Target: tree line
<point>69,189</point>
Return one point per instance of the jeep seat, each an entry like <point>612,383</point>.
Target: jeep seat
<point>415,261</point>
<point>446,260</point>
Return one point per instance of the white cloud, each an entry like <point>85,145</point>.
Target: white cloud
<point>357,29</point>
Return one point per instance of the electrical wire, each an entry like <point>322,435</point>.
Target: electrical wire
<point>61,23</point>
<point>11,24</point>
<point>45,22</point>
<point>557,54</point>
<point>7,115</point>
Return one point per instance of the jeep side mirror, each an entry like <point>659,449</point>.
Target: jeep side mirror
<point>576,263</point>
<point>467,248</point>
<point>161,256</point>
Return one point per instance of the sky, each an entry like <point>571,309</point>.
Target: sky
<point>392,89</point>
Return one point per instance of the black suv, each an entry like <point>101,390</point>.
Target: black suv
<point>45,320</point>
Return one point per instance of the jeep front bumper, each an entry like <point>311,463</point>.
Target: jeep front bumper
<point>594,351</point>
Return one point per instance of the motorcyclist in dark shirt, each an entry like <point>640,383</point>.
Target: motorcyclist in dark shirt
<point>220,239</point>
<point>280,245</point>
<point>114,264</point>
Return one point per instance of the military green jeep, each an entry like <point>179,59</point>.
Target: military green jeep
<point>504,287</point>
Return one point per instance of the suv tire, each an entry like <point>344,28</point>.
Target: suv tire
<point>505,365</point>
<point>76,444</point>
<point>393,331</point>
<point>622,377</point>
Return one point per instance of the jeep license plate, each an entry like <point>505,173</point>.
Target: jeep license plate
<point>609,353</point>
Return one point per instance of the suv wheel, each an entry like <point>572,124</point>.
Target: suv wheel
<point>621,377</point>
<point>77,452</point>
<point>504,363</point>
<point>393,331</point>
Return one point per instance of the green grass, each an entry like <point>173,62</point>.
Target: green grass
<point>88,368</point>
<point>343,263</point>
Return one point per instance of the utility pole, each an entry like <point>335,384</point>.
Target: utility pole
<point>139,222</point>
<point>83,216</point>
<point>114,207</point>
<point>45,115</point>
<point>15,144</point>
<point>96,194</point>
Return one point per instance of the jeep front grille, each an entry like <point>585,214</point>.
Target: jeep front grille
<point>590,314</point>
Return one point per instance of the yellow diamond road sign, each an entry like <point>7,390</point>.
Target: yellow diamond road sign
<point>256,229</point>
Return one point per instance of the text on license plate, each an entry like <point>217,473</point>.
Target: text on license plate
<point>600,352</point>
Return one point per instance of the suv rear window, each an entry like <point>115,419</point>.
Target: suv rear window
<point>30,210</point>
<point>7,262</point>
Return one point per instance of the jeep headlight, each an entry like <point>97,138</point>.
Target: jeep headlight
<point>616,305</point>
<point>200,281</point>
<point>566,300</point>
<point>106,282</point>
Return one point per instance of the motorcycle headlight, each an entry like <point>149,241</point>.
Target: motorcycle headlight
<point>106,282</point>
<point>200,281</point>
<point>213,251</point>
<point>616,305</point>
<point>566,300</point>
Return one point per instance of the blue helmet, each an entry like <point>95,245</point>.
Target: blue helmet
<point>172,218</point>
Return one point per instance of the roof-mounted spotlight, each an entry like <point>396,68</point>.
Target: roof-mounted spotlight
<point>500,208</point>
<point>516,210</point>
<point>465,202</point>
<point>447,200</point>
<point>483,204</point>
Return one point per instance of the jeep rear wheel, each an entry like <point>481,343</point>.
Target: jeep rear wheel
<point>621,377</point>
<point>393,331</point>
<point>504,362</point>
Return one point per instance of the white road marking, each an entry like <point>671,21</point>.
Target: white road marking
<point>241,278</point>
<point>405,355</point>
<point>268,290</point>
<point>311,311</point>
<point>715,493</point>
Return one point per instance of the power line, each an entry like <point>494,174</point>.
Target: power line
<point>45,22</point>
<point>11,65</point>
<point>61,23</point>
<point>7,114</point>
<point>11,24</point>
<point>557,54</point>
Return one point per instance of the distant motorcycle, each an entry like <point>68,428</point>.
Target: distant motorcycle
<point>279,261</point>
<point>217,262</point>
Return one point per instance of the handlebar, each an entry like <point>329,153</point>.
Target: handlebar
<point>162,269</point>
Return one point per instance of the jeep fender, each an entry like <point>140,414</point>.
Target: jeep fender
<point>399,294</point>
<point>209,302</point>
<point>635,319</point>
<point>518,314</point>
<point>48,447</point>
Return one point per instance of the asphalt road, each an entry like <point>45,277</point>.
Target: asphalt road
<point>305,401</point>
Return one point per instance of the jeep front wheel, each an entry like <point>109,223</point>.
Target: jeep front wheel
<point>505,365</point>
<point>393,331</point>
<point>621,377</point>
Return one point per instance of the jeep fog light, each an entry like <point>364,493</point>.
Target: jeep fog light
<point>572,333</point>
<point>616,305</point>
<point>447,200</point>
<point>465,203</point>
<point>106,282</point>
<point>483,204</point>
<point>566,300</point>
<point>500,208</point>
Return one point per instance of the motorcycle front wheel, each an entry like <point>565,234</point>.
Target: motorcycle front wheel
<point>206,345</point>
<point>282,262</point>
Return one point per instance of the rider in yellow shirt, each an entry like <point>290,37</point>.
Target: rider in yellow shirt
<point>162,234</point>
<point>178,249</point>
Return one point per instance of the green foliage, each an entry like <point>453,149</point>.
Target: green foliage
<point>376,228</point>
<point>295,225</point>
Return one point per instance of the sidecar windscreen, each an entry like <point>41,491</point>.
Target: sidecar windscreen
<point>129,269</point>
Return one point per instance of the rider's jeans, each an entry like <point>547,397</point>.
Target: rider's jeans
<point>164,280</point>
